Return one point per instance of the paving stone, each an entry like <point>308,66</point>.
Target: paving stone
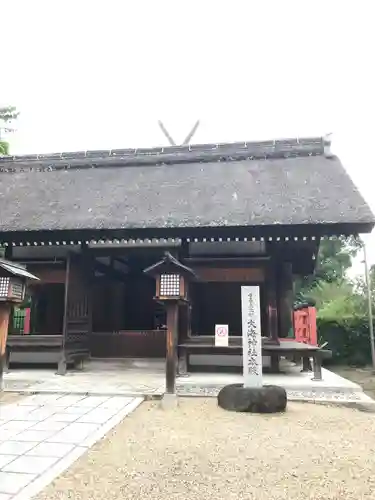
<point>50,450</point>
<point>62,417</point>
<point>68,399</point>
<point>77,410</point>
<point>40,399</point>
<point>30,465</point>
<point>12,482</point>
<point>11,412</point>
<point>16,447</point>
<point>18,425</point>
<point>42,413</point>
<point>6,434</point>
<point>73,433</point>
<point>93,401</point>
<point>29,401</point>
<point>49,426</point>
<point>33,435</point>
<point>116,402</point>
<point>97,416</point>
<point>5,459</point>
<point>26,413</point>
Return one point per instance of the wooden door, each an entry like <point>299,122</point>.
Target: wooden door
<point>77,324</point>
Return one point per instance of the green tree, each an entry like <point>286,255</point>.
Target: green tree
<point>7,115</point>
<point>333,260</point>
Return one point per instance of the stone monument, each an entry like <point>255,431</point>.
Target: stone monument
<point>252,395</point>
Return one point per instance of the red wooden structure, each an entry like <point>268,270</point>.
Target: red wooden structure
<point>304,321</point>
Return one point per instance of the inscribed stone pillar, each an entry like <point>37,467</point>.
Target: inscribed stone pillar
<point>251,336</point>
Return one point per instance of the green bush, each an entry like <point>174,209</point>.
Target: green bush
<point>4,148</point>
<point>348,339</point>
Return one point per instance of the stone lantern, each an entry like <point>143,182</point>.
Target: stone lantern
<point>13,279</point>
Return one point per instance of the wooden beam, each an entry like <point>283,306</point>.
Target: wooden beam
<point>171,359</point>
<point>108,271</point>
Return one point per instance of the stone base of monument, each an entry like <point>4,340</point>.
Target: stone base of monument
<point>265,399</point>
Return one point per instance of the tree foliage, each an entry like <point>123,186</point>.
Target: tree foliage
<point>7,115</point>
<point>331,290</point>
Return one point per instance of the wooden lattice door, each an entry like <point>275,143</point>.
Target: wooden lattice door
<point>77,317</point>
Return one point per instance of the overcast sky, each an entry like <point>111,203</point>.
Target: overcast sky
<point>98,75</point>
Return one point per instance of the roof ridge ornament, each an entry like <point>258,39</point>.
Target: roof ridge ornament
<point>188,138</point>
<point>327,140</point>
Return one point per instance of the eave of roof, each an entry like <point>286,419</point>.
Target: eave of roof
<point>283,148</point>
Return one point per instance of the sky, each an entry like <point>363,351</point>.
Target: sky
<point>89,74</point>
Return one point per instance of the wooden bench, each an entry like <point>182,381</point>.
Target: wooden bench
<point>206,345</point>
<point>42,349</point>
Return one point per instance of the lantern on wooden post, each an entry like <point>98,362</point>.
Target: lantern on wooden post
<point>172,289</point>
<point>13,278</point>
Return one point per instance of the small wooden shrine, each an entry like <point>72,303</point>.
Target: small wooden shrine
<point>89,223</point>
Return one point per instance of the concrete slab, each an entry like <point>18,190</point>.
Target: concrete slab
<point>31,435</point>
<point>132,378</point>
<point>16,447</point>
<point>19,425</point>
<point>73,433</point>
<point>50,450</point>
<point>5,459</point>
<point>11,482</point>
<point>97,416</point>
<point>6,434</point>
<point>45,425</point>
<point>4,496</point>
<point>30,464</point>
<point>62,417</point>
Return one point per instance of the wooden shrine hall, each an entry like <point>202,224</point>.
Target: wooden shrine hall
<point>88,224</point>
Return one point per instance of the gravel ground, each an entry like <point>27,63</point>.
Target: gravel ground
<point>202,452</point>
<point>365,377</point>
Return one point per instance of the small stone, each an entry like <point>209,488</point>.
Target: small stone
<point>266,399</point>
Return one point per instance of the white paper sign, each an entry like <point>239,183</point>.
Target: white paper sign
<point>221,335</point>
<point>251,336</point>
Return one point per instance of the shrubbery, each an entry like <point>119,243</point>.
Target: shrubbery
<point>348,338</point>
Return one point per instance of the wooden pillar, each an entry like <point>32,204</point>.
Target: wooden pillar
<point>61,369</point>
<point>285,298</point>
<point>272,306</point>
<point>4,324</point>
<point>189,316</point>
<point>171,358</point>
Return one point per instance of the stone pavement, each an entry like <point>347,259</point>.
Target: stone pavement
<point>43,434</point>
<point>141,378</point>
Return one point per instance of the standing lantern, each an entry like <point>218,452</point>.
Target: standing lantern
<point>13,278</point>
<point>172,289</point>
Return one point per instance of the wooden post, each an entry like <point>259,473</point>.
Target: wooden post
<point>171,358</point>
<point>5,309</point>
<point>272,312</point>
<point>285,298</point>
<point>61,368</point>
